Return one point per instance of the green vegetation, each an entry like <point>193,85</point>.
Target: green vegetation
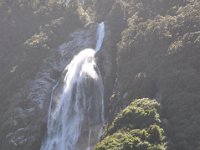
<point>137,127</point>
<point>27,31</point>
<point>158,57</point>
<point>139,114</point>
<point>154,47</point>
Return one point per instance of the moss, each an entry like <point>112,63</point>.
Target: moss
<point>37,39</point>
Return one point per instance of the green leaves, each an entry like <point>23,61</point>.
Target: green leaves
<point>139,114</point>
<point>135,128</point>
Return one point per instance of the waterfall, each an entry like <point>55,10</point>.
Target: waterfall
<point>100,36</point>
<point>76,112</point>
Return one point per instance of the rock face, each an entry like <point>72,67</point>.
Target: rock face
<point>24,122</point>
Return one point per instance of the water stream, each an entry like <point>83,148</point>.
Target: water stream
<point>76,112</point>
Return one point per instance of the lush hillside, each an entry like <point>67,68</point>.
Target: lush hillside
<point>25,33</point>
<point>156,44</point>
<point>158,57</point>
<point>152,49</point>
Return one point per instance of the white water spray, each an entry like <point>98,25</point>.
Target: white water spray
<point>76,113</point>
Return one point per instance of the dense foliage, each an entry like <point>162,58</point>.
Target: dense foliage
<point>137,127</point>
<point>158,57</point>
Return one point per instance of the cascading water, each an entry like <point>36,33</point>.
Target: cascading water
<point>76,113</point>
<point>100,36</point>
